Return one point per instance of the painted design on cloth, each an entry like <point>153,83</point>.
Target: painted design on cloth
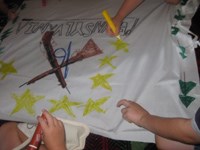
<point>186,87</point>
<point>6,68</point>
<point>25,101</point>
<point>107,60</point>
<point>23,6</point>
<point>174,30</point>
<point>101,80</point>
<point>183,52</point>
<point>46,39</point>
<point>92,105</point>
<point>1,50</point>
<point>120,45</point>
<point>65,104</point>
<point>5,34</point>
<point>74,27</point>
<point>179,15</point>
<point>89,50</point>
<point>183,2</point>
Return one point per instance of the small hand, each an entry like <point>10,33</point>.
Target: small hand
<point>117,24</point>
<point>132,112</point>
<point>53,132</point>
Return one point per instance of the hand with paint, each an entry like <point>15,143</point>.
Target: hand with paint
<point>53,132</point>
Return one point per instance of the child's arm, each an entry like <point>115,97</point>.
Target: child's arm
<point>178,129</point>
<point>53,132</point>
<point>127,7</point>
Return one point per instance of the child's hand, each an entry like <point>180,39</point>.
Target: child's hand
<point>132,112</point>
<point>117,24</point>
<point>53,132</point>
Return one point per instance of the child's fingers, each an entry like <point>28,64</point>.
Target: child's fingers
<point>42,122</point>
<point>60,123</point>
<point>123,102</point>
<point>124,110</point>
<point>109,31</point>
<point>56,121</point>
<point>49,118</point>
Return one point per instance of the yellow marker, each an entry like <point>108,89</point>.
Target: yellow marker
<point>110,22</point>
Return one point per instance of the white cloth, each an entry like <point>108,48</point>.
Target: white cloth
<point>149,70</point>
<point>76,134</point>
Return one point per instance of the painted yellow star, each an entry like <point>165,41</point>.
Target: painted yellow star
<point>6,68</point>
<point>120,45</point>
<point>25,101</point>
<point>92,105</point>
<point>107,60</point>
<point>101,80</point>
<point>64,103</point>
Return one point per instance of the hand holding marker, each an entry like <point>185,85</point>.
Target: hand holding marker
<point>110,22</point>
<point>37,137</point>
